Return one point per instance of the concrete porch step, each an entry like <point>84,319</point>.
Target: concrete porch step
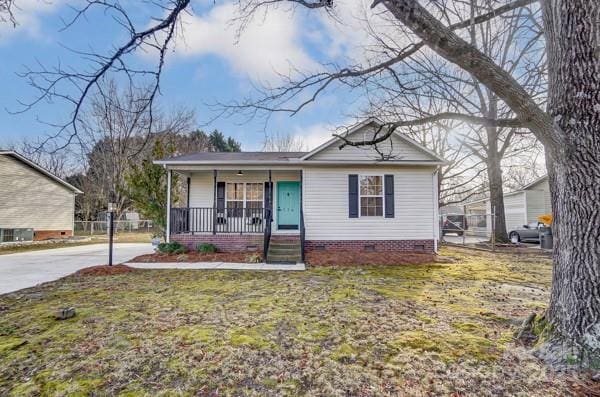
<point>285,245</point>
<point>283,251</point>
<point>283,259</point>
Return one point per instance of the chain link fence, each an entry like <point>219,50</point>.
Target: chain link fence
<point>467,229</point>
<point>97,228</point>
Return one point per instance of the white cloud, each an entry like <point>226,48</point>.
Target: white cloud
<point>29,15</point>
<point>266,47</point>
<point>355,31</point>
<point>315,134</point>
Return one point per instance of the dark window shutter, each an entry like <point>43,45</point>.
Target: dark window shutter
<point>353,196</point>
<point>389,196</point>
<point>220,196</point>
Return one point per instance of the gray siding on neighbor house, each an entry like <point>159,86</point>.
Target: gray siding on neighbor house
<point>30,199</point>
<point>521,207</point>
<point>514,211</point>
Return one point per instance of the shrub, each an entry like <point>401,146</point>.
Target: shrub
<point>173,247</point>
<point>254,258</point>
<point>206,248</point>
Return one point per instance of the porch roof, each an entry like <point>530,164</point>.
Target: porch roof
<point>233,157</point>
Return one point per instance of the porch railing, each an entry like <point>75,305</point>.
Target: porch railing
<point>267,233</point>
<point>218,220</point>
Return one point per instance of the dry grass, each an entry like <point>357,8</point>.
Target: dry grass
<point>412,330</point>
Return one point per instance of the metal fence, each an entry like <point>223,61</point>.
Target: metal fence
<point>467,229</point>
<point>95,228</point>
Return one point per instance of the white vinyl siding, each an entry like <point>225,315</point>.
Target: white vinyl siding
<point>326,205</point>
<point>202,185</point>
<point>30,199</point>
<point>538,201</point>
<point>394,146</point>
<point>514,211</point>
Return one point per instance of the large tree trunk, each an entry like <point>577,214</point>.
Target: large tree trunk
<point>494,172</point>
<point>573,42</point>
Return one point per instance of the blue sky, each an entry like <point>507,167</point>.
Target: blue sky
<point>209,65</point>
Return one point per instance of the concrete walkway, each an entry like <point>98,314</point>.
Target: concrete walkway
<point>28,269</point>
<point>219,266</point>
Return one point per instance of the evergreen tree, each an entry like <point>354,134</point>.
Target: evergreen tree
<point>146,186</point>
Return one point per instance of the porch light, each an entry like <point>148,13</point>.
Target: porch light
<point>240,173</point>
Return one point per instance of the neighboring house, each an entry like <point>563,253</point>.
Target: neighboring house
<point>521,207</point>
<point>34,203</point>
<point>328,199</point>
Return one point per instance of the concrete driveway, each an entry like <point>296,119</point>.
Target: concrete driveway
<point>28,269</point>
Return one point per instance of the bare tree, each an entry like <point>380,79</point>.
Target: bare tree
<point>283,142</point>
<point>78,88</point>
<point>58,162</point>
<point>115,134</point>
<point>7,12</point>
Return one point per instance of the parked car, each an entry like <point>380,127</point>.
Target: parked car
<point>527,233</point>
<point>454,224</point>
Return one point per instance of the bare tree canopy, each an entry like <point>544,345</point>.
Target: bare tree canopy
<point>7,12</point>
<point>283,142</point>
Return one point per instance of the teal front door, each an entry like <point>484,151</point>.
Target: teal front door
<point>288,205</point>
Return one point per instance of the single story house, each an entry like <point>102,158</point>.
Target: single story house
<point>369,198</point>
<point>34,203</point>
<point>521,207</point>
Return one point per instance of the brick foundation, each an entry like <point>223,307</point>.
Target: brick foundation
<point>223,242</point>
<point>48,234</point>
<point>426,246</point>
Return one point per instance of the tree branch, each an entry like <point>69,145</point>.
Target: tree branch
<point>391,127</point>
<point>453,48</point>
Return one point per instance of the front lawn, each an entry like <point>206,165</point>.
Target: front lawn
<point>414,330</point>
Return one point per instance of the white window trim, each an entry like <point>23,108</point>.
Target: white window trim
<point>360,215</point>
<point>245,191</point>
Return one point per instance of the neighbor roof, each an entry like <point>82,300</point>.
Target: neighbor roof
<point>521,190</point>
<point>40,169</point>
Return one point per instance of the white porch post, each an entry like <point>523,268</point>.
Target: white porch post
<point>169,177</point>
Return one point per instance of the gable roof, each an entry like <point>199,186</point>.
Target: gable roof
<point>532,184</point>
<point>377,123</point>
<point>282,158</point>
<point>38,168</point>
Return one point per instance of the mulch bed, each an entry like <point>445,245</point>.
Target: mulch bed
<point>234,257</point>
<point>345,258</point>
<point>586,385</point>
<point>105,270</point>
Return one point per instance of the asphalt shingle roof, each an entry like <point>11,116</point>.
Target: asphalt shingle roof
<point>238,156</point>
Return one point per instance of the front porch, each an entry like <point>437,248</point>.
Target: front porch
<point>237,210</point>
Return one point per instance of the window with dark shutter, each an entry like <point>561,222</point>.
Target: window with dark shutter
<point>353,196</point>
<point>389,196</point>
